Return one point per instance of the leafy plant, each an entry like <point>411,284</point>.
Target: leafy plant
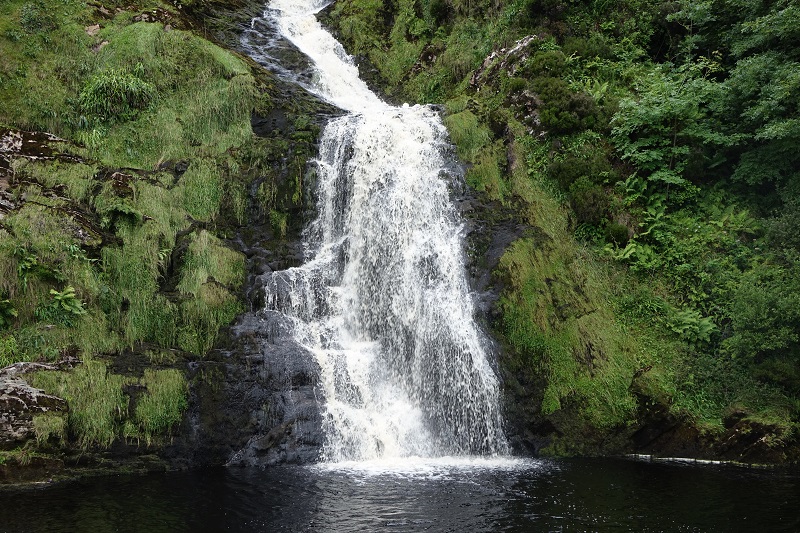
<point>64,308</point>
<point>662,129</point>
<point>68,301</point>
<point>27,264</point>
<point>691,326</point>
<point>7,313</point>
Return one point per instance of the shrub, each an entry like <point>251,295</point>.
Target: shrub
<point>546,63</point>
<point>515,85</point>
<point>617,233</point>
<point>588,200</point>
<point>593,166</point>
<point>562,110</point>
<point>595,46</point>
<point>437,11</point>
<point>765,315</point>
<point>554,113</point>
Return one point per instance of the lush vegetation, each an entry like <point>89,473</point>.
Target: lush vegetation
<point>651,147</point>
<point>648,148</point>
<point>116,242</point>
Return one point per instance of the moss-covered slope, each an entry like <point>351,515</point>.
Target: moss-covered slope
<point>130,176</point>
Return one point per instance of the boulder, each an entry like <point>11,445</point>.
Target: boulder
<point>19,403</point>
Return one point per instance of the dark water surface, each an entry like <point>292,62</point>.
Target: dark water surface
<point>570,495</point>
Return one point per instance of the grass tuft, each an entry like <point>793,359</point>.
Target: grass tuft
<point>95,398</point>
<point>162,406</point>
<point>49,426</point>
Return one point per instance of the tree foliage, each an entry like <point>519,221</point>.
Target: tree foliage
<point>668,127</point>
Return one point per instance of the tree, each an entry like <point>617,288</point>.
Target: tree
<point>669,124</point>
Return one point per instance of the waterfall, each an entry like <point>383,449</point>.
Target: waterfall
<point>382,301</point>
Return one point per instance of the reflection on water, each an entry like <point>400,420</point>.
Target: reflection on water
<point>458,496</point>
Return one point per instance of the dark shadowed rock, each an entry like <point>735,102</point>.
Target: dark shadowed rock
<point>256,404</point>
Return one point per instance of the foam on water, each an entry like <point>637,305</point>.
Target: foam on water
<point>438,468</point>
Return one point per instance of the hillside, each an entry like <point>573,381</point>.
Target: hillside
<point>651,300</point>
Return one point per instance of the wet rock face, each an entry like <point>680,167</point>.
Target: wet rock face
<point>19,402</point>
<point>281,390</point>
<point>264,387</point>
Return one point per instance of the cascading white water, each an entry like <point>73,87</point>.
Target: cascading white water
<point>383,299</point>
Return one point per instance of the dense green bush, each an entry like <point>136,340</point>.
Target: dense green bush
<point>589,201</point>
<point>596,46</point>
<point>617,233</point>
<point>765,315</point>
<point>592,165</point>
<point>548,63</point>
<point>563,111</point>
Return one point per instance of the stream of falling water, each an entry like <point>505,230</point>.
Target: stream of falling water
<point>383,300</point>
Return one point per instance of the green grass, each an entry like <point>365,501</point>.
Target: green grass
<point>147,97</point>
<point>208,258</point>
<point>49,426</point>
<point>162,405</point>
<point>556,319</point>
<point>278,221</point>
<point>9,350</point>
<point>468,134</point>
<point>9,283</point>
<point>98,412</point>
<point>203,316</point>
<point>202,190</point>
<point>146,259</point>
<point>488,173</point>
<point>203,97</point>
<point>77,178</point>
<point>45,56</point>
<point>95,398</point>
